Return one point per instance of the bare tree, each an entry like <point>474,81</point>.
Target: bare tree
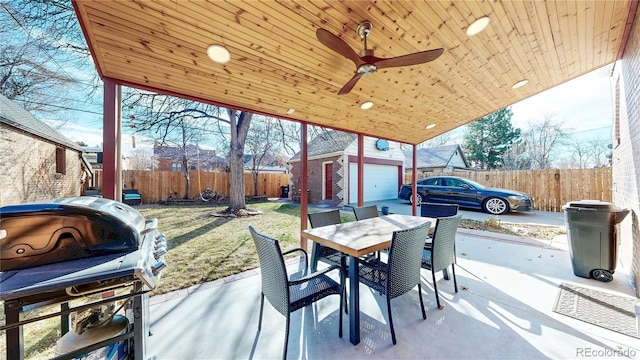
<point>600,153</point>
<point>580,153</point>
<point>517,157</point>
<point>41,40</point>
<point>171,121</point>
<point>141,159</point>
<point>164,117</point>
<point>262,145</point>
<point>541,138</point>
<point>447,138</point>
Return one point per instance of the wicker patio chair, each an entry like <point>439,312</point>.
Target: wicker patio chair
<point>323,253</point>
<point>441,253</point>
<point>401,273</point>
<point>434,210</point>
<point>326,254</point>
<point>365,212</point>
<point>287,294</point>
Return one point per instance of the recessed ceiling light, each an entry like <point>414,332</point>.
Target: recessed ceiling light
<point>366,105</point>
<point>477,26</point>
<point>430,126</point>
<point>219,54</point>
<point>291,111</point>
<point>520,83</point>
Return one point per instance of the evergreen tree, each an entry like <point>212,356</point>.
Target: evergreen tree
<point>488,138</point>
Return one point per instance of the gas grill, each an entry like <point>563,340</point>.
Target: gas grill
<point>56,251</point>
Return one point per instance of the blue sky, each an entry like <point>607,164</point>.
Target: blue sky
<point>583,104</point>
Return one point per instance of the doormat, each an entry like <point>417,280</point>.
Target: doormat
<point>599,308</point>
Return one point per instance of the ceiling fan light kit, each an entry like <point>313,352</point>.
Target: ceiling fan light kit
<point>366,63</point>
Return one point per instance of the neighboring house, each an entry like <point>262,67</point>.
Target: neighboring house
<point>333,169</point>
<point>169,158</point>
<point>272,167</point>
<point>440,158</point>
<point>625,82</point>
<point>94,156</point>
<point>36,162</point>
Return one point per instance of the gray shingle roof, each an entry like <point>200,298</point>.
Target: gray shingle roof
<point>17,117</point>
<point>328,142</point>
<point>436,157</point>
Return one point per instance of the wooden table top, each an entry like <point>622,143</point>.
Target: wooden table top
<point>358,238</point>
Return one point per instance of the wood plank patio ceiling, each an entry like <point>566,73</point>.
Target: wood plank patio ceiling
<point>278,64</point>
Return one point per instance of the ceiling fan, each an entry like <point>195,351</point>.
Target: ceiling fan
<point>366,63</point>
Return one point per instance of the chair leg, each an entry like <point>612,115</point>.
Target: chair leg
<point>340,310</point>
<point>424,315</point>
<point>435,288</point>
<point>344,301</point>
<point>393,333</point>
<point>453,270</point>
<point>286,338</point>
<point>261,308</point>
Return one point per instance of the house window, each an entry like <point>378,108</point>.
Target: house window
<point>61,161</point>
<point>176,166</point>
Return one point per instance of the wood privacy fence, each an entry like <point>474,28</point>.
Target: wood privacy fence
<point>550,188</point>
<point>157,185</point>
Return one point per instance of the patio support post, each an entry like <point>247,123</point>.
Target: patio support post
<point>304,182</point>
<point>110,125</point>
<point>360,170</point>
<point>414,181</point>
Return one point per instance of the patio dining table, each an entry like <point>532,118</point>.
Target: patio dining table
<point>359,238</point>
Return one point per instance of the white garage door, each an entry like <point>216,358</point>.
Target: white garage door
<point>380,182</point>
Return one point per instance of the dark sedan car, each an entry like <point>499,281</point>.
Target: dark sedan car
<point>468,194</point>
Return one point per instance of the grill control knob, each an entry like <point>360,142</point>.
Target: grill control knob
<point>159,252</point>
<point>158,266</point>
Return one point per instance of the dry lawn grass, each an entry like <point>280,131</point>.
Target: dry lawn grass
<point>205,248</point>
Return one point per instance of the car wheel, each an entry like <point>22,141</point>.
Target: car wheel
<point>496,206</point>
<point>418,197</point>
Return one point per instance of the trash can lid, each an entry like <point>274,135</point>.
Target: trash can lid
<point>592,204</point>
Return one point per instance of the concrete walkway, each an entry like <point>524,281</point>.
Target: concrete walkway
<point>503,310</point>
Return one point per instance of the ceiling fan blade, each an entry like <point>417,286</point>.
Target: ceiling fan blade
<point>338,45</point>
<point>349,85</point>
<point>410,59</point>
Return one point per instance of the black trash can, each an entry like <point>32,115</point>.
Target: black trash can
<point>284,192</point>
<point>592,237</point>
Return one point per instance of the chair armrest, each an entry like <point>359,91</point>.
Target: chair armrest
<point>316,274</point>
<point>306,256</point>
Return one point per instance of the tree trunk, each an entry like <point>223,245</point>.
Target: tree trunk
<point>185,167</point>
<point>239,129</point>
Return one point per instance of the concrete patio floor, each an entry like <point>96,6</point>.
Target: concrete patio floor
<point>503,310</point>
